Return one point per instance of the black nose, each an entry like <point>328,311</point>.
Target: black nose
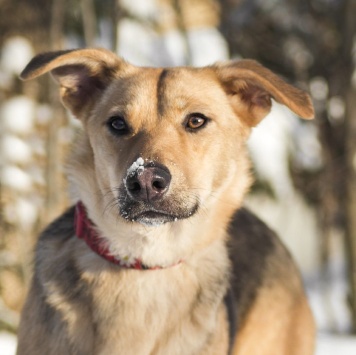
<point>148,184</point>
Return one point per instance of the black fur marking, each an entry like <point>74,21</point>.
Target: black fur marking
<point>230,304</point>
<point>66,275</point>
<point>251,244</point>
<point>161,87</point>
<point>62,227</point>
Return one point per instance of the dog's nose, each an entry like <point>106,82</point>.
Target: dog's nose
<point>149,183</point>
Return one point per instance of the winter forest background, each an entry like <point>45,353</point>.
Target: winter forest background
<point>305,171</point>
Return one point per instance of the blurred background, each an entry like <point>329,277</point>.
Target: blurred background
<point>305,171</point>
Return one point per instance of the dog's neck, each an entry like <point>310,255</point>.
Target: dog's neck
<point>86,230</point>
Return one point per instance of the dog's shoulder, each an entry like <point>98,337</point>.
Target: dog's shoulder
<point>258,257</point>
<point>53,254</point>
<point>57,297</point>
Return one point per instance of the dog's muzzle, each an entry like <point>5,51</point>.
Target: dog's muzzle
<point>146,197</point>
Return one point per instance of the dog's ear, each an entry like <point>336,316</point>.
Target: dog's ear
<point>83,74</point>
<point>250,88</point>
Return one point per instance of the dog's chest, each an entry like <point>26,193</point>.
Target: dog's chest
<point>160,312</point>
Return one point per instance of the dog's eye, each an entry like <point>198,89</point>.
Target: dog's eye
<point>118,125</point>
<point>196,121</point>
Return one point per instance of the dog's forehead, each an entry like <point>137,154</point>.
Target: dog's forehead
<point>182,88</point>
<point>165,89</point>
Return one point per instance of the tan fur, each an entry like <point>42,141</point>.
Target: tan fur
<point>280,316</point>
<point>79,303</point>
<point>279,320</point>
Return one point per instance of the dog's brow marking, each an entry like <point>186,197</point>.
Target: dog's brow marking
<point>161,86</point>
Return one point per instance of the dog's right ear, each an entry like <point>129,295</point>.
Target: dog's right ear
<point>250,88</point>
<point>83,74</point>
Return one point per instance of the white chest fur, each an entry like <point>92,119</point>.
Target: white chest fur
<point>169,311</point>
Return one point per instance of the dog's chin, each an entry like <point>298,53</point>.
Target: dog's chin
<point>153,217</point>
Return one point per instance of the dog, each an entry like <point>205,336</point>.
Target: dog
<point>158,255</point>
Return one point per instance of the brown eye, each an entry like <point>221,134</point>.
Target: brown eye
<point>196,121</point>
<point>118,126</point>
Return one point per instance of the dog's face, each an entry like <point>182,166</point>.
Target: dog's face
<point>163,145</point>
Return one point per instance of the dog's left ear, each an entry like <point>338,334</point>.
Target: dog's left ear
<point>83,74</point>
<point>250,88</point>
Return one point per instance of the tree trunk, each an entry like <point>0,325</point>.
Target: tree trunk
<point>351,199</point>
<point>89,22</point>
<point>350,148</point>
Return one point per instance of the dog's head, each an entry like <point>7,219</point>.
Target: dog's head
<point>163,145</point>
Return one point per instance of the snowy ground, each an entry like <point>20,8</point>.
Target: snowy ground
<point>7,343</point>
<point>332,345</point>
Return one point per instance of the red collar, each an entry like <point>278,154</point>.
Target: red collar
<point>85,229</point>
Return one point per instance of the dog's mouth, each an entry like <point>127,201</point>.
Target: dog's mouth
<point>151,215</point>
<point>153,218</point>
